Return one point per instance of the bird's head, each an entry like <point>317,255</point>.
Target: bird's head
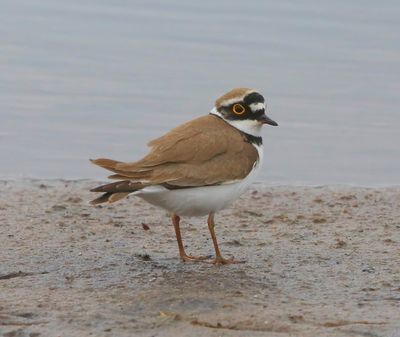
<point>244,109</point>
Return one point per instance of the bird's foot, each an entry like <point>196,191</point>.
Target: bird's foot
<point>187,258</point>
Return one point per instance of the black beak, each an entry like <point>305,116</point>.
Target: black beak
<point>264,119</point>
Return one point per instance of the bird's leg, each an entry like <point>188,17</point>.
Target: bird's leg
<point>184,257</point>
<point>218,257</point>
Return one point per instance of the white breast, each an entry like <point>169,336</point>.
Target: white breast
<point>200,200</point>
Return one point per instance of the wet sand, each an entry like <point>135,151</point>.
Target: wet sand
<point>320,261</point>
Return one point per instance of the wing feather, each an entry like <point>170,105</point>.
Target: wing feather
<point>204,151</point>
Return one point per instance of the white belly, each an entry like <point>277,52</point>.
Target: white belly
<point>199,201</point>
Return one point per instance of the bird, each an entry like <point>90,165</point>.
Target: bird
<point>198,168</point>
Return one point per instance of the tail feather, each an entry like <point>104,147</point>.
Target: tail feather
<point>105,163</point>
<point>123,170</point>
<point>116,191</point>
<point>117,176</point>
<point>127,183</point>
<point>108,164</point>
<point>103,198</point>
<point>119,186</point>
<point>117,196</point>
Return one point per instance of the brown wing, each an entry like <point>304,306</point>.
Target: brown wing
<point>205,151</point>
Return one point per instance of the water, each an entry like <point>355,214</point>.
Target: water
<point>85,79</point>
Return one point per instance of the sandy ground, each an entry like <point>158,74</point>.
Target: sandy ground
<point>321,261</point>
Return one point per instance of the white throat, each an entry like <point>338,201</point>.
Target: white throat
<point>251,127</point>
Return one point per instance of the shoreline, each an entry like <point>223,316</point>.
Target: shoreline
<point>256,184</point>
<point>319,261</point>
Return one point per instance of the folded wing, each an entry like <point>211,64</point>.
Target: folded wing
<point>205,151</point>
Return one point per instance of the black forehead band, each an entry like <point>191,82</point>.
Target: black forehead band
<point>254,97</point>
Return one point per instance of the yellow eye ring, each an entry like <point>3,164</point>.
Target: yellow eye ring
<point>238,109</point>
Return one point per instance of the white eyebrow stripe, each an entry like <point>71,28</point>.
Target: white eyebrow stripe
<point>257,106</point>
<point>230,101</point>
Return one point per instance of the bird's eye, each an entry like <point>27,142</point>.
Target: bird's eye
<point>238,109</point>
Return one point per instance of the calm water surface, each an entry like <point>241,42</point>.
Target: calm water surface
<point>83,79</point>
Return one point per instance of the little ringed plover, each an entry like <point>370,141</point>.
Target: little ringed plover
<point>199,167</point>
